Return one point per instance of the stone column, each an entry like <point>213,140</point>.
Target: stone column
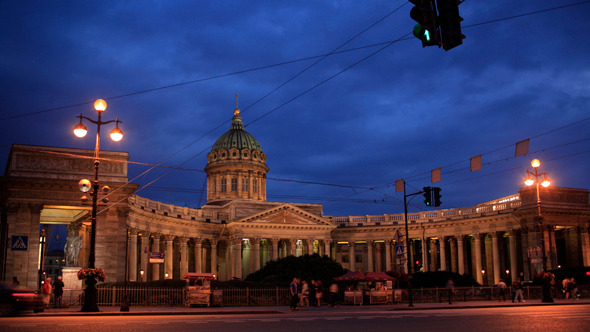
<point>213,256</point>
<point>352,256</point>
<point>183,257</point>
<point>169,256</point>
<point>526,265</point>
<point>551,248</point>
<point>293,247</point>
<point>585,244</point>
<point>513,257</point>
<point>478,261</point>
<point>275,248</point>
<point>198,254</point>
<point>496,257</point>
<point>378,266</point>
<point>156,248</point>
<point>387,255</point>
<point>237,257</point>
<point>310,246</point>
<point>145,243</point>
<point>443,253</point>
<point>453,245</point>
<point>370,266</point>
<point>256,253</point>
<point>327,248</point>
<point>132,268</point>
<point>424,242</point>
<point>461,254</point>
<point>433,256</point>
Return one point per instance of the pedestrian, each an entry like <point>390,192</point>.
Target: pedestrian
<point>517,285</point>
<point>304,300</point>
<point>566,288</point>
<point>293,290</point>
<point>573,288</point>
<point>450,290</point>
<point>312,293</point>
<point>58,290</point>
<point>502,290</point>
<point>333,293</point>
<point>319,292</point>
<point>47,289</point>
<point>15,282</point>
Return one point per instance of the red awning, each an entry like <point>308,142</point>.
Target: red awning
<point>378,276</point>
<point>351,276</point>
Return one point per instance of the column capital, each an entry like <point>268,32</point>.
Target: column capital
<point>197,240</point>
<point>169,237</point>
<point>213,241</point>
<point>452,239</point>
<point>255,240</point>
<point>133,231</point>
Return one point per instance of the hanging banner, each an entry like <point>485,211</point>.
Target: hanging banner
<point>156,257</point>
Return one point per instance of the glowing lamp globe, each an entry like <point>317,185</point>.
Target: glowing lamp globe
<point>100,105</point>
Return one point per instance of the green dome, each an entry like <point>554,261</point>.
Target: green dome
<point>236,137</point>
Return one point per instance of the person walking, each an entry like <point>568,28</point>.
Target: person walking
<point>58,290</point>
<point>502,291</point>
<point>47,289</point>
<point>517,285</point>
<point>304,300</point>
<point>566,288</point>
<point>450,290</point>
<point>333,293</point>
<point>293,290</point>
<point>319,292</point>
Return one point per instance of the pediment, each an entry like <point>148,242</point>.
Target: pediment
<point>286,214</point>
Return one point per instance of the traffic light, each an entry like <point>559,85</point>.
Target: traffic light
<point>427,196</point>
<point>450,23</point>
<point>424,12</point>
<point>436,196</point>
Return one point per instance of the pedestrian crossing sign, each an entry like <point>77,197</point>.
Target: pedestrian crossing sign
<point>20,242</point>
<point>399,251</point>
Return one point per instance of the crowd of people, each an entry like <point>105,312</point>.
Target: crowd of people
<point>568,288</point>
<point>311,293</point>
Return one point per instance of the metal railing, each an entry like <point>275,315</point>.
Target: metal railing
<point>279,296</point>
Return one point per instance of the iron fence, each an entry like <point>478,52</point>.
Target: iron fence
<point>280,296</point>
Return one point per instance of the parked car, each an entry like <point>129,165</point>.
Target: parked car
<point>15,300</point>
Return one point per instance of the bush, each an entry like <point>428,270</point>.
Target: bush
<point>440,278</point>
<point>306,267</point>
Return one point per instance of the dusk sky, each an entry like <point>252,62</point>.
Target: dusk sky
<point>340,95</point>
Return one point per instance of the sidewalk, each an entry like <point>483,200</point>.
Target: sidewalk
<point>142,310</point>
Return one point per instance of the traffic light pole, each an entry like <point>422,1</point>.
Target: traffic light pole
<point>410,295</point>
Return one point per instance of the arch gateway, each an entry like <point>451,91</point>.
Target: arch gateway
<point>237,231</point>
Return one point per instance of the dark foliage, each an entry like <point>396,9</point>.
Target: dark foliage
<point>578,273</point>
<point>306,267</point>
<point>440,278</point>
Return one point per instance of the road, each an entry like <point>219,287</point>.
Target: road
<point>544,318</point>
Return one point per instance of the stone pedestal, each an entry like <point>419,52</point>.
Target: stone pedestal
<point>70,278</point>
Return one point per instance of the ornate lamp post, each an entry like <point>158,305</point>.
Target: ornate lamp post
<point>116,135</point>
<point>529,181</point>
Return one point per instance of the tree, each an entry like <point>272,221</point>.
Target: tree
<point>306,267</point>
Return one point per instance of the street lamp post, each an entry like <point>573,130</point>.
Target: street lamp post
<point>116,135</point>
<point>529,181</point>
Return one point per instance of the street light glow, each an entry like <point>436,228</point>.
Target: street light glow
<point>80,129</point>
<point>529,181</point>
<point>100,105</point>
<point>535,163</point>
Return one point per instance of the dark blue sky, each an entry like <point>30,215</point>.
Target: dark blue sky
<point>399,113</point>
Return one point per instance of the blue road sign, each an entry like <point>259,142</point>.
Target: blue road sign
<point>20,242</point>
<point>399,251</point>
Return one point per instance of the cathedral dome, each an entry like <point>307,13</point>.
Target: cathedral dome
<point>237,138</point>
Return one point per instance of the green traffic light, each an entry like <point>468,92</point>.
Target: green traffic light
<point>421,33</point>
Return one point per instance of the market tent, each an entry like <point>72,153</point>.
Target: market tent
<point>378,276</point>
<point>351,276</point>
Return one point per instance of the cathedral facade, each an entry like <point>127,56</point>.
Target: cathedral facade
<point>237,231</point>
